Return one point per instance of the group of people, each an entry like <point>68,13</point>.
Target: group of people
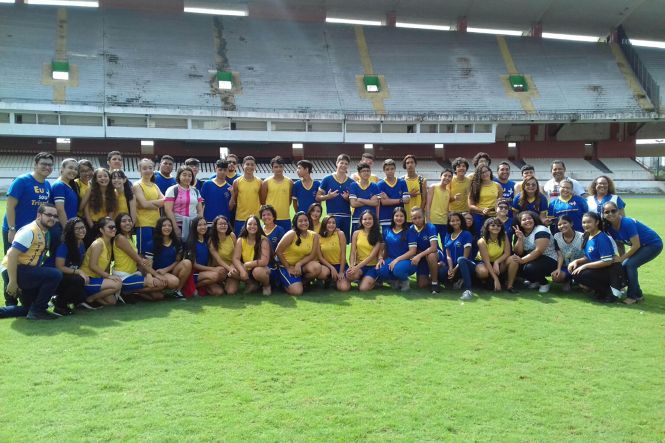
<point>92,238</point>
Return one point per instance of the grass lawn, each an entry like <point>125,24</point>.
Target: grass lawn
<point>331,366</point>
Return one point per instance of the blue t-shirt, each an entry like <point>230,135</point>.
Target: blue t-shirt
<point>216,200</point>
<point>399,190</point>
<point>394,244</point>
<point>167,256</point>
<point>455,247</point>
<point>574,208</point>
<point>630,228</point>
<point>538,205</point>
<point>356,191</point>
<point>337,205</point>
<point>63,193</point>
<point>275,236</point>
<point>421,239</point>
<point>305,197</point>
<point>62,252</point>
<point>599,248</point>
<point>202,253</point>
<point>30,195</point>
<point>163,183</point>
<point>508,189</point>
<point>229,180</point>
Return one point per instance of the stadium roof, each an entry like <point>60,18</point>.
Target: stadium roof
<point>643,19</point>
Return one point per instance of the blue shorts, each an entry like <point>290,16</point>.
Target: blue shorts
<point>94,286</point>
<point>285,224</point>
<point>275,280</point>
<point>344,225</point>
<point>369,271</point>
<point>144,240</point>
<point>237,227</point>
<point>287,279</point>
<point>423,267</point>
<point>132,283</point>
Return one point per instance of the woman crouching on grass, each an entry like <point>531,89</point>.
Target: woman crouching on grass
<point>365,248</point>
<point>534,255</point>
<point>221,244</point>
<point>332,254</point>
<point>297,252</point>
<point>101,286</point>
<point>598,269</point>
<point>168,255</point>
<point>493,252</point>
<point>68,260</point>
<point>206,277</point>
<point>395,262</point>
<point>568,246</point>
<point>251,257</point>
<point>136,273</point>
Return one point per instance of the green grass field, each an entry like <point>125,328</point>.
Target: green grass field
<point>329,366</point>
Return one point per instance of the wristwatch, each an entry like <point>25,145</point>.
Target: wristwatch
<point>12,228</point>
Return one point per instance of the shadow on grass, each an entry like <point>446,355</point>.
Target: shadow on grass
<point>87,323</point>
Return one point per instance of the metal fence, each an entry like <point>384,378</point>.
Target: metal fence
<point>641,72</point>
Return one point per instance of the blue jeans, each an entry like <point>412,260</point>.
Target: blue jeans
<point>643,255</point>
<point>37,284</point>
<point>402,270</point>
<point>466,268</point>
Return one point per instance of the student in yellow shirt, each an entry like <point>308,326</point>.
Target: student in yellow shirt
<point>416,184</point>
<point>332,254</point>
<point>124,193</point>
<point>251,256</point>
<point>365,247</point>
<point>222,244</point>
<point>149,200</point>
<point>483,196</point>
<point>297,252</point>
<point>245,197</point>
<point>276,192</point>
<point>438,200</point>
<point>460,185</point>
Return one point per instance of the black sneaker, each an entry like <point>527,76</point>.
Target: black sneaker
<point>10,301</point>
<point>41,315</point>
<point>62,311</point>
<point>435,288</point>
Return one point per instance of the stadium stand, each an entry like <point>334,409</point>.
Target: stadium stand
<point>654,60</point>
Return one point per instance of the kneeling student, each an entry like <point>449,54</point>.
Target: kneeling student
<point>251,256</point>
<point>206,277</point>
<point>332,254</point>
<point>168,257</point>
<point>429,259</point>
<point>395,264</point>
<point>458,246</point>
<point>297,252</point>
<point>493,252</point>
<point>101,286</point>
<point>365,247</point>
<point>222,245</point>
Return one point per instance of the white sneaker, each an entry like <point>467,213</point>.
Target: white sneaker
<point>405,286</point>
<point>467,295</point>
<point>543,289</point>
<point>617,292</point>
<point>534,285</point>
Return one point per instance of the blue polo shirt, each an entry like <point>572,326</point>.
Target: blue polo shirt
<point>337,205</point>
<point>163,183</point>
<point>394,243</point>
<point>397,191</point>
<point>630,227</point>
<point>61,192</point>
<point>216,200</point>
<point>357,191</point>
<point>599,248</point>
<point>305,197</point>
<point>574,208</point>
<point>421,239</point>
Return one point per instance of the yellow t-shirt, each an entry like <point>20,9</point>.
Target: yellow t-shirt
<point>438,213</point>
<point>279,197</point>
<point>494,250</point>
<point>225,249</point>
<point>460,187</point>
<point>98,215</point>
<point>247,254</point>
<point>122,262</point>
<point>104,258</point>
<point>363,248</point>
<point>147,218</point>
<point>412,184</point>
<point>83,189</point>
<point>489,195</point>
<point>122,203</point>
<point>330,248</point>
<point>247,201</point>
<point>294,253</point>
<point>35,249</point>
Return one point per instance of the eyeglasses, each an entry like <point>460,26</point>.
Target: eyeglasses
<point>111,227</point>
<point>610,211</point>
<point>46,165</point>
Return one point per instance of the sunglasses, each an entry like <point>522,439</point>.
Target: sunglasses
<point>111,227</point>
<point>610,211</point>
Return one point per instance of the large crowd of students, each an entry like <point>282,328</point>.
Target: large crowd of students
<point>93,239</point>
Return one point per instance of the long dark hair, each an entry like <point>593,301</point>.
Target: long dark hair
<point>194,236</point>
<point>309,213</point>
<point>97,202</point>
<point>260,235</point>
<point>374,235</point>
<point>393,225</point>
<point>214,235</point>
<point>323,230</point>
<point>158,237</point>
<point>126,187</point>
<point>523,200</point>
<point>599,223</point>
<point>294,225</point>
<point>462,220</point>
<point>70,240</point>
<point>485,230</point>
<point>477,182</point>
<point>118,220</point>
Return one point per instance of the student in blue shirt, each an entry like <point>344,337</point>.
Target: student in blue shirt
<point>304,190</point>
<point>363,195</point>
<point>568,204</point>
<point>395,262</point>
<point>334,191</point>
<point>429,259</point>
<point>597,269</point>
<point>393,193</point>
<point>232,174</point>
<point>503,179</point>
<point>216,193</point>
<point>645,245</point>
<point>64,195</point>
<point>460,264</point>
<point>163,178</point>
<point>25,195</point>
